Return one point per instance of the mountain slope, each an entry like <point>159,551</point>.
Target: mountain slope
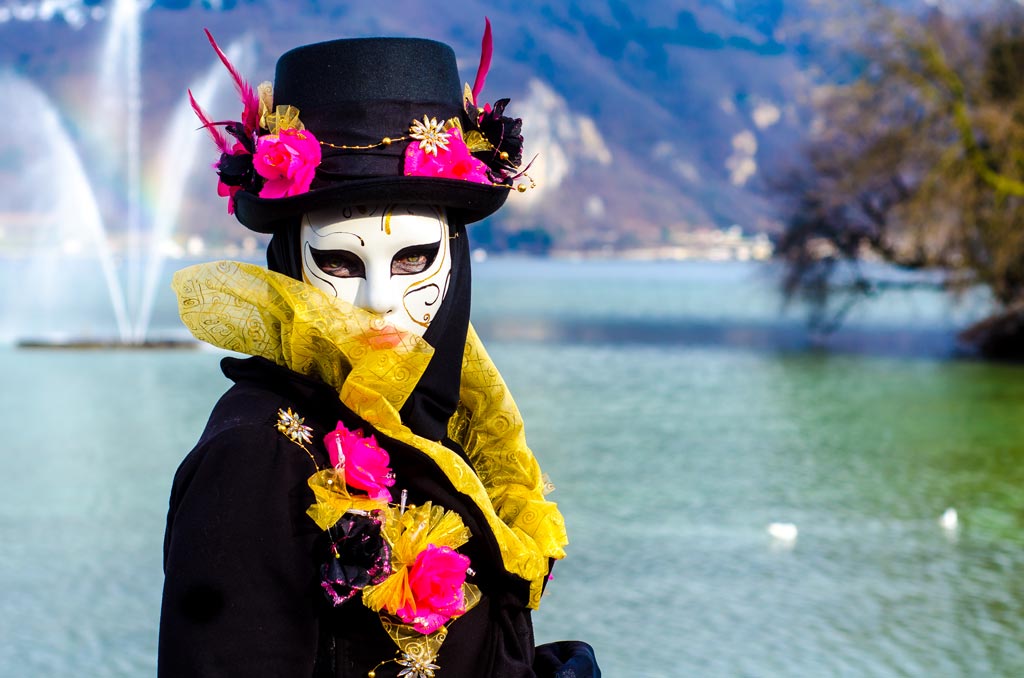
<point>649,119</point>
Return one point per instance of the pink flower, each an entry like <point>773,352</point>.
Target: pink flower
<point>364,462</point>
<point>436,578</point>
<point>228,192</point>
<point>288,161</point>
<point>455,163</point>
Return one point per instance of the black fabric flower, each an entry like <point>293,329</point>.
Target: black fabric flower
<point>236,169</point>
<point>359,556</point>
<point>505,133</point>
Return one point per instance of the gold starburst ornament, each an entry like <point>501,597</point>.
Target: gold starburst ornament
<point>416,667</point>
<point>290,424</point>
<point>431,135</point>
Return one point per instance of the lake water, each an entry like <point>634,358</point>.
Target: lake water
<point>677,413</point>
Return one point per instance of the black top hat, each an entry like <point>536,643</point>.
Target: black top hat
<point>356,96</point>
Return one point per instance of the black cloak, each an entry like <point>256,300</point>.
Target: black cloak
<point>242,593</point>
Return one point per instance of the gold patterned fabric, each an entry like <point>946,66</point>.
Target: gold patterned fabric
<point>249,309</point>
<point>333,500</point>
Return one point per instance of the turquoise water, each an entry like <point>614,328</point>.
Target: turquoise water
<point>672,451</point>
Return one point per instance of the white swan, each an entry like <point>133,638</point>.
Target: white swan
<point>949,520</point>
<point>784,532</point>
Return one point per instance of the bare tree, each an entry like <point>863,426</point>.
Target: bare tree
<point>918,161</point>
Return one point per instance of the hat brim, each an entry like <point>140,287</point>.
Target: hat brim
<point>471,200</point>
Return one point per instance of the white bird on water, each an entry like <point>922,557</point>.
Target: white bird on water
<point>949,520</point>
<point>784,532</point>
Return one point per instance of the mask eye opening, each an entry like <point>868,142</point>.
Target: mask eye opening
<point>338,263</point>
<point>415,259</point>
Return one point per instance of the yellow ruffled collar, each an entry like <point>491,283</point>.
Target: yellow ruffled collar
<point>248,309</point>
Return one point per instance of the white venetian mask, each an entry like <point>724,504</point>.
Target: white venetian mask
<point>393,261</point>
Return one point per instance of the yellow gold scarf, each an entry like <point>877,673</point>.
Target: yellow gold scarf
<point>246,308</point>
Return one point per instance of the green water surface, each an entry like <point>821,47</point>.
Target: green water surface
<point>670,463</point>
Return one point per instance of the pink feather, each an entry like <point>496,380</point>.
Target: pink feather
<point>486,48</point>
<point>250,100</point>
<point>218,136</point>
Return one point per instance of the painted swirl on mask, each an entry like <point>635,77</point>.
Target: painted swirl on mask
<point>428,287</point>
<point>423,284</point>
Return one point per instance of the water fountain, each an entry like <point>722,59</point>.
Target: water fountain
<point>95,181</point>
<point>69,242</point>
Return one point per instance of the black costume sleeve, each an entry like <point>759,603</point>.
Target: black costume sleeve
<point>241,588</point>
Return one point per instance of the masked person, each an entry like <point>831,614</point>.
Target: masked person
<point>362,501</point>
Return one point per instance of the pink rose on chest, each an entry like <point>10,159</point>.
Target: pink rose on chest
<point>364,462</point>
<point>435,578</point>
<point>288,161</point>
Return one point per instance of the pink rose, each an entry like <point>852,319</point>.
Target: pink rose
<point>455,163</point>
<point>436,578</point>
<point>365,463</point>
<point>288,161</point>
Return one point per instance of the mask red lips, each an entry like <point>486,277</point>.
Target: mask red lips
<point>386,337</point>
